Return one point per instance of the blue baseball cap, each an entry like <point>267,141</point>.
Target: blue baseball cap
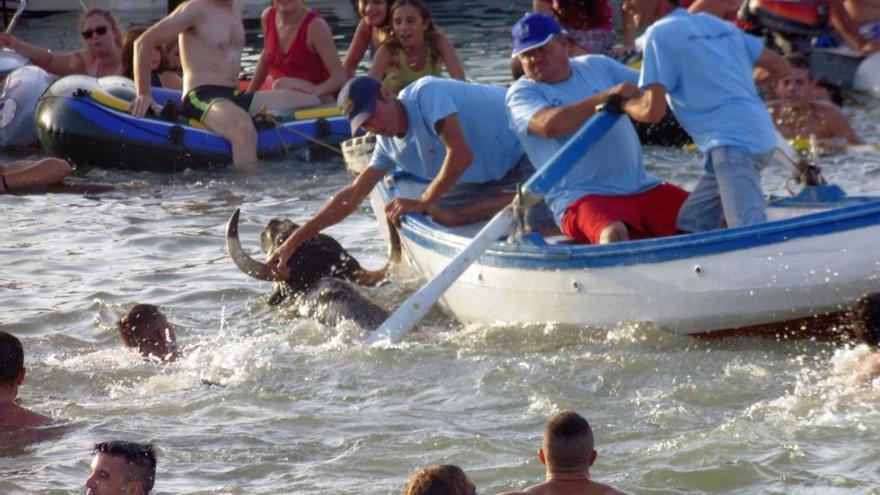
<point>533,30</point>
<point>357,100</point>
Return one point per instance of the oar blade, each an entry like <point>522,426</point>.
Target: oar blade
<point>417,305</point>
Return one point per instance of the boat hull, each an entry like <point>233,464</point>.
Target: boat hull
<point>705,284</point>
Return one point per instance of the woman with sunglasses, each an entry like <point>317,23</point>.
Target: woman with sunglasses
<point>102,55</point>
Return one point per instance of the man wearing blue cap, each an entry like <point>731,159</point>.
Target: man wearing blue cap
<point>704,67</point>
<point>607,196</point>
<point>454,134</point>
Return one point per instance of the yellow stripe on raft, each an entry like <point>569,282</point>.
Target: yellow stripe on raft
<point>111,101</point>
<point>322,111</point>
<point>317,112</point>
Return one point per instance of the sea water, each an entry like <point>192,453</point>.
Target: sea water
<point>266,401</point>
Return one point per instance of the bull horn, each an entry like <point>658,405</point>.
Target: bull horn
<point>242,260</point>
<point>373,277</point>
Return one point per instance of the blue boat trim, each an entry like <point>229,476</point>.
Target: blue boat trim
<point>428,234</point>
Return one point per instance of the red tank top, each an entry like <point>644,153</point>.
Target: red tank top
<point>298,62</point>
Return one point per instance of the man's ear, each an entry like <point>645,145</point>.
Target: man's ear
<point>592,458</point>
<point>20,378</point>
<point>541,456</point>
<point>134,488</point>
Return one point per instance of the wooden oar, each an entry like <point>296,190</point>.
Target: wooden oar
<point>417,305</point>
<point>22,4</point>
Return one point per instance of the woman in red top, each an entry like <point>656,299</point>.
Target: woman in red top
<point>309,63</point>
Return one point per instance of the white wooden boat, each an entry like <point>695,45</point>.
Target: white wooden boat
<point>798,273</point>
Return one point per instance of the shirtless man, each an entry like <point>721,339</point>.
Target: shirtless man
<point>121,467</point>
<point>211,38</point>
<point>798,115</point>
<point>145,328</point>
<point>12,371</point>
<point>568,452</point>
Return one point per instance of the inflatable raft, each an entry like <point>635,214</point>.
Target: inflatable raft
<point>18,100</point>
<point>85,120</point>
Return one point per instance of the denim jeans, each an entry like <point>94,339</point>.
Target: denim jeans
<point>729,189</point>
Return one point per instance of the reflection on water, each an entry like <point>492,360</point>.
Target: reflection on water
<point>301,408</point>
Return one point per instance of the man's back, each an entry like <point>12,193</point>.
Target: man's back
<point>573,487</point>
<point>210,48</point>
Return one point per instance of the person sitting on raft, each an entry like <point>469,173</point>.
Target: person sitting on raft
<point>608,196</point>
<point>310,62</point>
<point>102,55</point>
<point>160,75</point>
<point>211,40</point>
<point>798,115</point>
<point>29,174</point>
<point>416,50</point>
<point>372,30</point>
<point>451,133</point>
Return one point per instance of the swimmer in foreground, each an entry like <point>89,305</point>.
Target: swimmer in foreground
<point>146,329</point>
<point>12,371</point>
<point>122,468</point>
<point>568,452</point>
<point>442,479</point>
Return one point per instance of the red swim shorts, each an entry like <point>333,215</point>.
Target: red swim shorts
<point>648,214</point>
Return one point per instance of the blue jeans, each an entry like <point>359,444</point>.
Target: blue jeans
<point>729,189</point>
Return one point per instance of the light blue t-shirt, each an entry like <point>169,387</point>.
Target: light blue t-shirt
<point>706,64</point>
<point>483,118</point>
<point>611,167</point>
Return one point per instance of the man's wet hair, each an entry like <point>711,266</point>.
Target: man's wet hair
<point>443,479</point>
<point>132,325</point>
<point>140,458</point>
<point>866,320</point>
<point>11,358</point>
<point>568,440</point>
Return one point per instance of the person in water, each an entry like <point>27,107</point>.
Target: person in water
<point>568,452</point>
<point>22,175</point>
<point>102,55</point>
<point>145,328</point>
<point>299,52</point>
<point>442,479</point>
<point>372,30</point>
<point>160,74</point>
<point>799,115</point>
<point>865,322</point>
<point>417,49</point>
<point>13,417</point>
<point>122,468</point>
<point>211,36</point>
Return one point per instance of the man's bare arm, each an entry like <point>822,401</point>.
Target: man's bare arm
<point>770,68</point>
<point>184,17</point>
<point>650,106</point>
<point>552,122</point>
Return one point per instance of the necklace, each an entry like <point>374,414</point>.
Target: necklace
<point>413,59</point>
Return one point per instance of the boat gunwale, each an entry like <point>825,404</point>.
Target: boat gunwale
<point>430,235</point>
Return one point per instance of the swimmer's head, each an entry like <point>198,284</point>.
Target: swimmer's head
<point>568,442</point>
<point>866,320</point>
<point>11,359</point>
<point>145,328</point>
<point>445,479</point>
<point>122,467</point>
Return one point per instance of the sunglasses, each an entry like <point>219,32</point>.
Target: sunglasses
<point>100,31</point>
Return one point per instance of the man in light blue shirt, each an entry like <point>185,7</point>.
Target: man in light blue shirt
<point>704,66</point>
<point>453,134</point>
<point>607,196</point>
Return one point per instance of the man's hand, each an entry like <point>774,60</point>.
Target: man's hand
<point>279,258</point>
<point>142,104</point>
<point>626,90</point>
<point>399,207</point>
